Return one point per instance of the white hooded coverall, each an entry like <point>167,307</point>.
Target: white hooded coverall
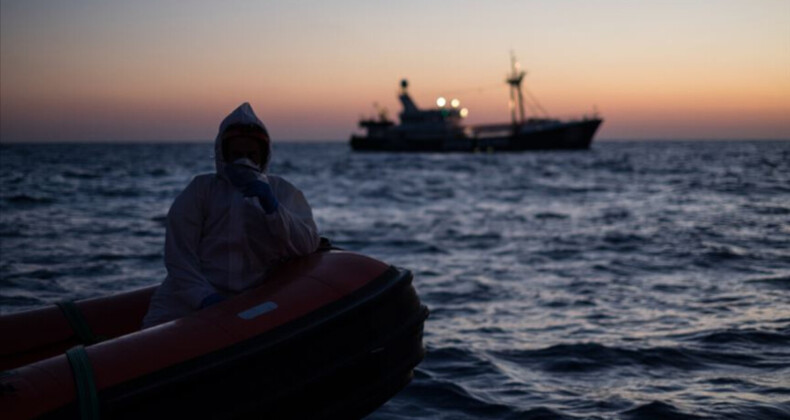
<point>219,241</point>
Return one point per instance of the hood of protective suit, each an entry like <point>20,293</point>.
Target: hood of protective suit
<point>243,115</point>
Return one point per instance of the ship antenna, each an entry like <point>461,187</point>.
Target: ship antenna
<point>514,80</point>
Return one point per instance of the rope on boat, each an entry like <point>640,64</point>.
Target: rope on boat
<point>84,383</point>
<point>77,322</point>
<point>536,103</point>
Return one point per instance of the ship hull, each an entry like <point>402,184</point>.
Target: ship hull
<point>573,135</point>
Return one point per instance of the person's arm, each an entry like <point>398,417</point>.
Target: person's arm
<point>184,230</point>
<point>279,217</point>
<point>292,223</point>
<point>287,231</point>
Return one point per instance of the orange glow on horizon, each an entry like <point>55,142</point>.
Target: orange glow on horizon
<point>142,72</point>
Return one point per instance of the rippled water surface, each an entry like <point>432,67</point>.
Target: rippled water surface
<point>635,280</point>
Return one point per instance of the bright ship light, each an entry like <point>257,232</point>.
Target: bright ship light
<point>464,112</point>
<point>455,103</point>
<point>440,101</point>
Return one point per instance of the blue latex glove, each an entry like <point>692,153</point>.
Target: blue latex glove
<point>252,184</point>
<point>211,299</point>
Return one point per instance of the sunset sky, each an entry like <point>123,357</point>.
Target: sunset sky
<point>170,70</point>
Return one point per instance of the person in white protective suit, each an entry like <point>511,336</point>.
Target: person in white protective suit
<point>226,230</point>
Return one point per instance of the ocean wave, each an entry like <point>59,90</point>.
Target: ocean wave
<point>123,192</point>
<point>751,410</point>
<point>10,303</point>
<point>612,215</point>
<point>742,336</point>
<point>768,210</point>
<point>158,172</point>
<point>659,410</point>
<point>591,357</point>
<point>559,254</point>
<point>37,273</point>
<point>742,385</point>
<point>465,289</point>
<point>444,399</point>
<point>551,215</point>
<point>457,361</point>
<point>80,174</point>
<point>781,282</point>
<point>8,232</point>
<point>120,257</point>
<point>469,240</point>
<point>23,199</point>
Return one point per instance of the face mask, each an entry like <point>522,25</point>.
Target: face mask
<point>247,162</point>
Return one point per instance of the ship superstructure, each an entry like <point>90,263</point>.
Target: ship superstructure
<point>442,128</point>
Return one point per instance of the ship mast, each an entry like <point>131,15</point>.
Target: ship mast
<point>514,80</point>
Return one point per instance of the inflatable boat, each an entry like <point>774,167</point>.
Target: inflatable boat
<point>331,335</point>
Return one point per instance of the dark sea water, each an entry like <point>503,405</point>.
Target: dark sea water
<point>639,280</point>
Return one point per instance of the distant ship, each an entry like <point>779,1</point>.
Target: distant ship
<point>441,129</point>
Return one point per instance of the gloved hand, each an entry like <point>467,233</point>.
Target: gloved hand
<point>211,299</point>
<point>252,183</point>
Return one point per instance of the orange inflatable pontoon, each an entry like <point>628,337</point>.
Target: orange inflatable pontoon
<point>331,335</point>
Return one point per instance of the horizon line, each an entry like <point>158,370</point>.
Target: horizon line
<point>338,141</point>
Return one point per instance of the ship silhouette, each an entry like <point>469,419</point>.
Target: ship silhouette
<point>442,130</point>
